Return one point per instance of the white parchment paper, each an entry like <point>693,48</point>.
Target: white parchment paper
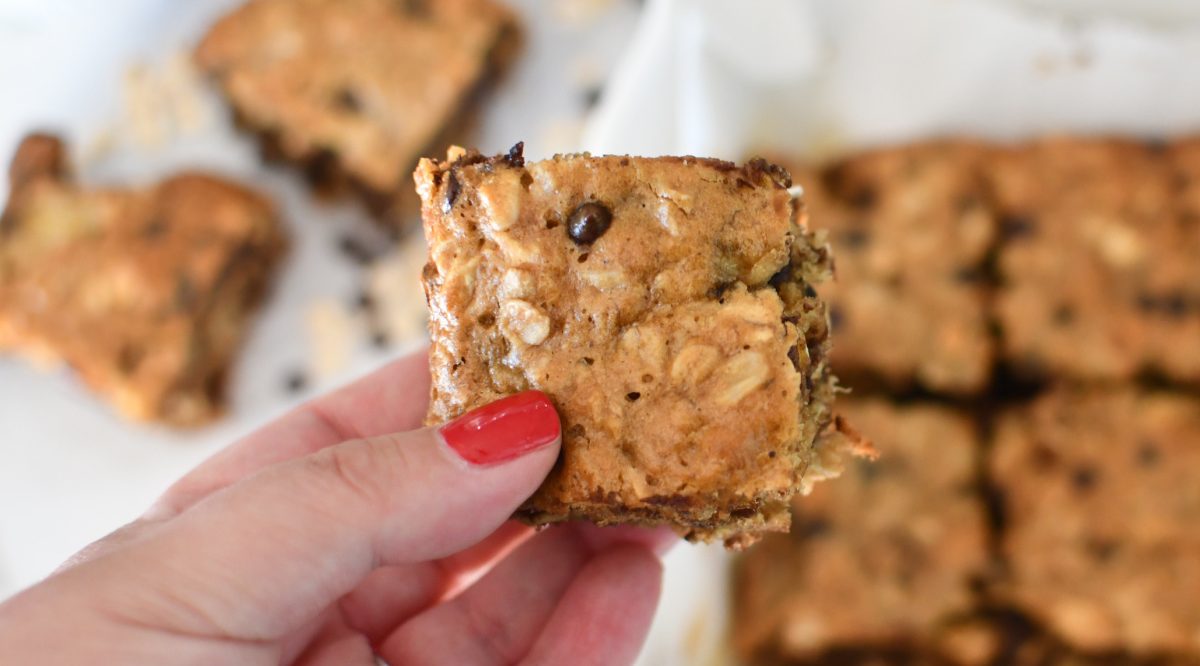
<point>70,470</point>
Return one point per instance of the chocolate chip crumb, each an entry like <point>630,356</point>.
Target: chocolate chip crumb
<point>717,291</point>
<point>589,222</point>
<point>589,360</point>
<point>1044,458</point>
<point>1016,226</point>
<point>1175,305</point>
<point>968,203</point>
<point>854,239</point>
<point>863,198</point>
<point>781,276</point>
<point>794,356</point>
<point>452,188</point>
<point>1083,478</point>
<point>8,224</point>
<point>429,271</point>
<point>364,301</point>
<point>582,257</point>
<point>869,470</point>
<point>776,173</point>
<point>380,340</point>
<point>321,168</point>
<point>771,454</point>
<point>812,528</point>
<point>1148,454</point>
<point>836,317</point>
<point>185,292</point>
<point>355,249</point>
<point>474,157</point>
<point>815,353</point>
<point>516,155</point>
<point>347,101</point>
<point>295,381</point>
<point>1102,549</point>
<point>633,396</point>
<point>155,228</point>
<point>591,97</point>
<point>129,358</point>
<point>969,275</point>
<point>414,8</point>
<point>1064,314</point>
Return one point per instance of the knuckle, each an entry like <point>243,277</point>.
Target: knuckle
<point>367,469</point>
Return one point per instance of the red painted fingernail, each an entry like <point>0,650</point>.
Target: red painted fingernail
<point>506,429</point>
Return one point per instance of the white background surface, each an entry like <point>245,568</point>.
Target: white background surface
<point>698,76</point>
<point>70,471</point>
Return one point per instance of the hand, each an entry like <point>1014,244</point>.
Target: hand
<point>340,532</point>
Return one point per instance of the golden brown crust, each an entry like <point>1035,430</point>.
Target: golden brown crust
<point>143,292</point>
<point>881,560</point>
<point>666,307</point>
<point>356,90</point>
<point>1090,271</point>
<point>1101,505</point>
<point>1099,271</point>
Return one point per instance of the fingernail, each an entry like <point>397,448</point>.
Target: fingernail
<point>508,428</point>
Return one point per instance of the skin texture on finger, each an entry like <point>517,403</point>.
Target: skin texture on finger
<point>37,627</point>
<point>604,616</point>
<point>390,595</point>
<point>336,645</point>
<point>118,538</point>
<point>497,619</point>
<point>263,557</point>
<point>391,399</point>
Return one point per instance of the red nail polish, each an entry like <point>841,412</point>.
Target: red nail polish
<point>506,429</point>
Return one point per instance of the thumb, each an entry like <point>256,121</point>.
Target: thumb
<point>262,557</point>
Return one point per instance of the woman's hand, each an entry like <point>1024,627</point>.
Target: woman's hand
<point>344,530</point>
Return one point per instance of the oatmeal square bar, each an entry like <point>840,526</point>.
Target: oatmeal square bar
<point>1100,277</point>
<point>666,305</point>
<point>913,232</point>
<point>144,292</point>
<point>1102,505</point>
<point>881,562</point>
<point>356,90</point>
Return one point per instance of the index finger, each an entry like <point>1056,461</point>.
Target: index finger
<point>391,399</point>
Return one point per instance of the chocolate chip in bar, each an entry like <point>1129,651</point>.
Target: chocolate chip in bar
<point>589,222</point>
<point>452,188</point>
